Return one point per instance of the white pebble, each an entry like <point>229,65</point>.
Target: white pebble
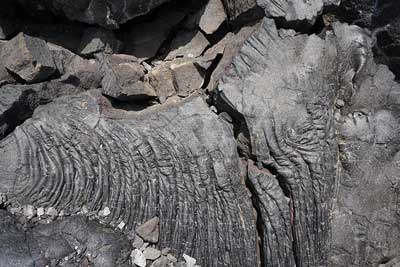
<point>51,212</point>
<point>40,212</point>
<point>190,262</point>
<point>121,225</point>
<point>105,212</point>
<point>138,258</point>
<point>29,211</point>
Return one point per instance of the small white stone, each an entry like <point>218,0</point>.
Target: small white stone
<point>85,210</point>
<point>121,225</point>
<point>29,211</point>
<point>40,211</point>
<point>105,212</point>
<point>138,258</point>
<point>51,212</point>
<point>190,262</point>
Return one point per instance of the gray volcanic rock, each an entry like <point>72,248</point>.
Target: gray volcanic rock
<point>27,57</point>
<point>96,40</point>
<point>123,78</point>
<point>284,87</point>
<point>18,102</point>
<point>292,10</point>
<point>366,206</point>
<point>188,77</point>
<point>236,7</point>
<point>187,44</point>
<point>178,162</point>
<point>150,230</point>
<point>224,133</point>
<point>73,240</point>
<point>107,13</point>
<point>15,251</point>
<point>276,235</point>
<point>212,16</point>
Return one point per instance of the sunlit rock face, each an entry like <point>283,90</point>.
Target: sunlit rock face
<point>199,133</point>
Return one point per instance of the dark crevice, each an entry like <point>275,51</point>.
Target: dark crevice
<point>260,226</point>
<point>210,70</point>
<point>134,105</point>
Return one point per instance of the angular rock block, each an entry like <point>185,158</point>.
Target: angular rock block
<point>212,16</point>
<point>236,7</point>
<point>187,44</point>
<point>28,57</point>
<point>124,78</point>
<point>177,162</point>
<point>96,40</point>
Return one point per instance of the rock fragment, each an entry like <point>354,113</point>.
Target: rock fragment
<point>124,78</point>
<point>161,262</point>
<point>137,242</point>
<point>29,211</point>
<point>161,79</point>
<point>96,40</point>
<point>171,258</point>
<point>149,230</point>
<point>237,7</point>
<point>212,16</point>
<point>40,212</point>
<point>138,258</point>
<point>190,262</point>
<point>151,253</point>
<point>188,77</point>
<point>28,57</point>
<point>189,44</point>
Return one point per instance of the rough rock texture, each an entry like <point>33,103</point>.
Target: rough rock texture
<point>212,16</point>
<point>235,8</point>
<point>366,212</point>
<point>74,241</point>
<point>123,78</point>
<point>281,86</point>
<point>292,10</point>
<point>27,57</point>
<point>98,40</point>
<point>199,133</point>
<point>106,13</point>
<point>189,173</point>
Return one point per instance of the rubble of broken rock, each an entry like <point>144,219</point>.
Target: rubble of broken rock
<point>199,133</point>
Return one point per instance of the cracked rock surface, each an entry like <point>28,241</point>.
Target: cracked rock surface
<point>199,133</point>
